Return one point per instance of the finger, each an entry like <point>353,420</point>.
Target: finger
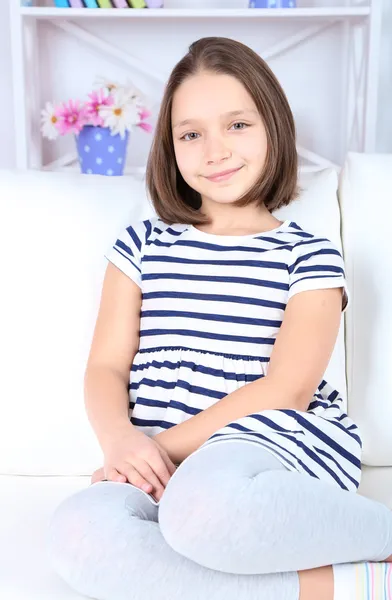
<point>147,472</point>
<point>115,475</point>
<point>169,463</point>
<point>160,468</point>
<point>98,475</point>
<point>136,478</point>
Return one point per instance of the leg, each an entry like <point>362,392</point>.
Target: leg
<point>233,507</point>
<point>317,584</point>
<point>105,542</point>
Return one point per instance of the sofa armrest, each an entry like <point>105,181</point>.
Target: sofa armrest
<point>365,196</point>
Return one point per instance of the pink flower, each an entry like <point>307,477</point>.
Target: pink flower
<point>146,126</point>
<point>72,117</point>
<point>97,99</point>
<point>144,114</point>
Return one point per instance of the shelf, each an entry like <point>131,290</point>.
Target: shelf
<point>247,13</point>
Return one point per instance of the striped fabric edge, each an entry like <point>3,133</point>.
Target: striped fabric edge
<point>225,438</point>
<point>373,581</point>
<point>273,443</point>
<point>317,264</point>
<point>320,283</point>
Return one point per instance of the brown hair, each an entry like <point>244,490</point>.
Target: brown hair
<point>173,199</point>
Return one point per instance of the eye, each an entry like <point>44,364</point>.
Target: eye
<point>245,125</point>
<point>192,133</point>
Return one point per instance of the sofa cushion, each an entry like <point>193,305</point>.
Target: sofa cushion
<point>56,229</point>
<point>26,506</point>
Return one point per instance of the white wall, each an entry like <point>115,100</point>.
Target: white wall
<point>313,88</point>
<point>7,146</point>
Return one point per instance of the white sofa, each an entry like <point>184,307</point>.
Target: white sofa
<point>54,232</point>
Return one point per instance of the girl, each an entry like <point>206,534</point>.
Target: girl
<point>234,473</point>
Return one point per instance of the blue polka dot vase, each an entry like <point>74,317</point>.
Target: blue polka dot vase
<point>272,4</point>
<point>100,152</point>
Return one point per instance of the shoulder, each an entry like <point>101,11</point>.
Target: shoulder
<point>146,230</point>
<point>305,243</point>
<point>140,235</point>
<point>158,232</point>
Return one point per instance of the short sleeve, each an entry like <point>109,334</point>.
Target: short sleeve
<point>317,264</point>
<point>127,251</point>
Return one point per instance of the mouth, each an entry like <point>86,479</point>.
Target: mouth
<point>223,175</point>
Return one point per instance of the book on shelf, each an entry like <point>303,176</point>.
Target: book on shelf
<point>61,3</point>
<point>120,4</point>
<point>137,3</point>
<point>105,4</point>
<point>91,3</point>
<point>76,3</point>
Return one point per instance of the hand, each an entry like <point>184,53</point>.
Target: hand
<point>141,460</point>
<point>99,475</point>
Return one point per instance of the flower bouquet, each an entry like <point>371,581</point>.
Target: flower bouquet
<point>101,125</point>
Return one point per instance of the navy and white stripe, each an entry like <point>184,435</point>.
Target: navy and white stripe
<point>211,309</point>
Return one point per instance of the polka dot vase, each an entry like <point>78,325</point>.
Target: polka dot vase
<point>101,153</point>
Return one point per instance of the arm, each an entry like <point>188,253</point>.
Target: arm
<point>307,337</point>
<point>114,345</point>
<point>116,335</point>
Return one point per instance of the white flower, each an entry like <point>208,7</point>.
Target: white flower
<point>122,115</point>
<point>104,82</point>
<point>48,122</point>
<point>112,85</point>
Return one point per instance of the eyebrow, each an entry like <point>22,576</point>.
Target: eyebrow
<point>231,113</point>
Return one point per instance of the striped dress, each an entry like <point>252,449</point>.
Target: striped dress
<point>212,306</point>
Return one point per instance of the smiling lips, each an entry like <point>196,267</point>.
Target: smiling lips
<point>223,175</point>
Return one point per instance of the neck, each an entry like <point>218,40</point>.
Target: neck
<point>227,219</point>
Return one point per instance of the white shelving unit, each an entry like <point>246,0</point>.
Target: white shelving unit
<point>282,13</point>
<point>360,22</point>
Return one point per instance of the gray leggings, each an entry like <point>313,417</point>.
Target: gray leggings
<point>232,523</point>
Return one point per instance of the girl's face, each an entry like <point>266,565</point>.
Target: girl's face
<point>217,130</point>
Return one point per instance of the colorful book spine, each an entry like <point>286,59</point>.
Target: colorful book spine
<point>61,3</point>
<point>137,3</point>
<point>120,3</point>
<point>105,3</point>
<point>76,3</point>
<point>91,4</point>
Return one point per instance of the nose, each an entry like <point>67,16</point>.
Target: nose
<point>216,150</point>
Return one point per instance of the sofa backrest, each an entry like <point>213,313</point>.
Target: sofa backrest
<point>55,230</point>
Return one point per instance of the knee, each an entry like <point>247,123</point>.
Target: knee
<point>193,511</point>
<point>76,532</point>
<point>217,518</point>
<point>65,534</point>
<point>70,522</point>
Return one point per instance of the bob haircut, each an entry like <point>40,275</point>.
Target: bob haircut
<point>173,199</point>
